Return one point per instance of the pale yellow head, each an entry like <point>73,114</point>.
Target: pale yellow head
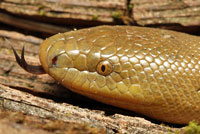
<point>151,71</point>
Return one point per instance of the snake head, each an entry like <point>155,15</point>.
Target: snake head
<point>94,62</point>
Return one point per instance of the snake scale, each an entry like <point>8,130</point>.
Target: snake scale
<point>150,71</point>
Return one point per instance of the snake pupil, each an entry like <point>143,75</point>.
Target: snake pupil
<point>103,68</point>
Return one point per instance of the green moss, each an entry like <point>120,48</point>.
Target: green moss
<point>116,15</point>
<point>170,131</point>
<point>177,132</point>
<point>29,85</point>
<point>41,12</point>
<point>95,17</point>
<point>192,128</point>
<point>130,6</point>
<point>68,114</point>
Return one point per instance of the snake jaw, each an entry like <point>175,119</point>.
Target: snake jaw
<point>22,62</point>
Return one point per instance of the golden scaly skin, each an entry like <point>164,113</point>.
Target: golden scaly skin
<point>154,72</point>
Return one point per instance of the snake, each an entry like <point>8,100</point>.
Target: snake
<point>150,71</point>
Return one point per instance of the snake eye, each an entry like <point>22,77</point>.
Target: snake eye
<point>104,68</point>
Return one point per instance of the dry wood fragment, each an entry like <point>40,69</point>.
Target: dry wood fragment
<point>21,92</point>
<point>31,25</point>
<point>166,12</point>
<point>17,122</point>
<point>91,10</point>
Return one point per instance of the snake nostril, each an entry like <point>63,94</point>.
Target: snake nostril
<point>54,61</point>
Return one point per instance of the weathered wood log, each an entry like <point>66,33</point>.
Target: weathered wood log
<point>166,12</point>
<point>21,92</point>
<point>31,25</point>
<point>158,13</point>
<point>90,10</point>
<point>20,123</point>
<point>44,108</point>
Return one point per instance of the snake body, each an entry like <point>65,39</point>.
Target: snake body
<point>150,71</point>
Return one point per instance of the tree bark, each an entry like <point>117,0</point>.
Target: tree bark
<point>90,10</point>
<point>166,12</point>
<point>38,99</point>
<point>169,14</point>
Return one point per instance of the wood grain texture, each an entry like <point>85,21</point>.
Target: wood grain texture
<point>154,12</point>
<point>31,25</point>
<point>17,122</point>
<point>93,12</point>
<point>89,10</point>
